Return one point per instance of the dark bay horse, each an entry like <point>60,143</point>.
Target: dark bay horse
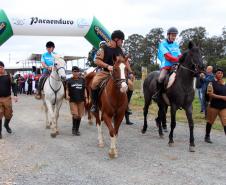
<point>181,93</point>
<point>112,103</point>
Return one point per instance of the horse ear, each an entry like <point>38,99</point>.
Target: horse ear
<point>190,45</point>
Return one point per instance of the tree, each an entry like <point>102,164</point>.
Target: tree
<point>197,35</point>
<point>133,46</point>
<point>151,42</point>
<point>213,49</point>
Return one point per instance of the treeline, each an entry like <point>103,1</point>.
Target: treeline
<point>143,49</point>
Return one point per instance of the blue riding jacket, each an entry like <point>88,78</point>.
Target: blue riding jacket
<point>166,47</point>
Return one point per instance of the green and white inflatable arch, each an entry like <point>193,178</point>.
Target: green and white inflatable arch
<point>89,27</point>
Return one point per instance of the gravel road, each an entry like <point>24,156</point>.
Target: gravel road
<point>29,156</point>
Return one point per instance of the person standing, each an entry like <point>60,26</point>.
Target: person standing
<point>216,91</point>
<point>6,110</point>
<point>76,94</point>
<point>205,80</point>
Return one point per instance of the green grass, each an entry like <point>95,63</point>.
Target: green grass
<point>137,104</point>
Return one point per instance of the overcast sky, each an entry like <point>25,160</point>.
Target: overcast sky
<point>131,16</point>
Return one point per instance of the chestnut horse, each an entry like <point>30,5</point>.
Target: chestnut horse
<point>112,103</point>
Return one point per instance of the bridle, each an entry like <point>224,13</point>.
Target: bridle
<point>59,79</point>
<point>196,67</point>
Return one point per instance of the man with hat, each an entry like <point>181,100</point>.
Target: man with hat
<point>216,91</point>
<point>6,110</point>
<point>76,94</point>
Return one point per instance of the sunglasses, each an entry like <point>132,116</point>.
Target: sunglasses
<point>75,71</point>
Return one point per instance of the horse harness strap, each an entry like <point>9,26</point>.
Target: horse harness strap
<point>187,69</point>
<point>55,91</point>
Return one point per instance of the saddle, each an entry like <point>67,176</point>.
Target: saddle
<point>103,84</point>
<point>170,77</point>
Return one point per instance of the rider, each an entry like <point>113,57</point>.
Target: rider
<point>47,61</point>
<point>169,54</point>
<point>104,60</point>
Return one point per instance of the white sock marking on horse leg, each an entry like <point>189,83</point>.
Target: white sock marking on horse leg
<point>100,134</point>
<point>124,86</point>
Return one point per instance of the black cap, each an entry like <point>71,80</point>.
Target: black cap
<point>2,64</point>
<point>50,44</point>
<point>75,68</point>
<point>220,69</point>
<point>117,34</point>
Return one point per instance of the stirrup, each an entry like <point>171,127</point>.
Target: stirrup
<point>94,109</point>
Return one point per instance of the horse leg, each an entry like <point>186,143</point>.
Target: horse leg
<point>56,111</point>
<point>48,123</point>
<point>112,152</point>
<point>161,116</point>
<point>100,132</point>
<point>164,126</point>
<point>52,118</point>
<point>188,111</point>
<point>90,121</point>
<point>172,124</point>
<point>145,112</point>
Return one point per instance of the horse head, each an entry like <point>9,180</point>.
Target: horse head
<point>192,59</point>
<point>59,67</point>
<point>120,72</point>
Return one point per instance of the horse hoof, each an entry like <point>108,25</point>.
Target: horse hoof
<point>53,135</point>
<point>47,126</point>
<point>90,122</point>
<point>101,145</point>
<point>171,144</point>
<point>191,149</point>
<point>143,131</point>
<point>161,136</point>
<point>57,132</point>
<point>112,154</point>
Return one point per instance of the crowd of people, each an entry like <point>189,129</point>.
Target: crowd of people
<point>211,88</point>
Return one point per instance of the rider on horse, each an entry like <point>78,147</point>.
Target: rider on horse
<point>47,61</point>
<point>104,59</point>
<point>169,54</point>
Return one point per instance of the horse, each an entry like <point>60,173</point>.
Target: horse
<point>180,94</point>
<point>53,94</point>
<point>112,103</point>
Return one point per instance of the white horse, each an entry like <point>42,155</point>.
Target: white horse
<point>53,94</point>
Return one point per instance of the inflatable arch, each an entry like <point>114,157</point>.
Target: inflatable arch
<point>89,27</point>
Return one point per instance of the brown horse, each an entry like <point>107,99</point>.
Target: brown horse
<point>112,103</point>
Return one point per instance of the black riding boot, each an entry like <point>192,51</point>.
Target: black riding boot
<point>0,129</point>
<point>73,125</point>
<point>39,89</point>
<point>225,130</point>
<point>158,92</point>
<point>94,94</point>
<point>207,136</point>
<point>77,133</point>
<point>129,95</point>
<point>6,125</point>
<point>128,122</point>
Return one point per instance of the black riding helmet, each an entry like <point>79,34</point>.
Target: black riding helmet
<point>172,30</point>
<point>50,44</point>
<point>117,34</point>
<point>75,68</point>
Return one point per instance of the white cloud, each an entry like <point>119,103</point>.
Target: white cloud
<point>131,16</point>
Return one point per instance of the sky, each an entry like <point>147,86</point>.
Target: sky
<point>130,16</point>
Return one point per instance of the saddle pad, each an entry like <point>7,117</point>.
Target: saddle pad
<point>172,79</point>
